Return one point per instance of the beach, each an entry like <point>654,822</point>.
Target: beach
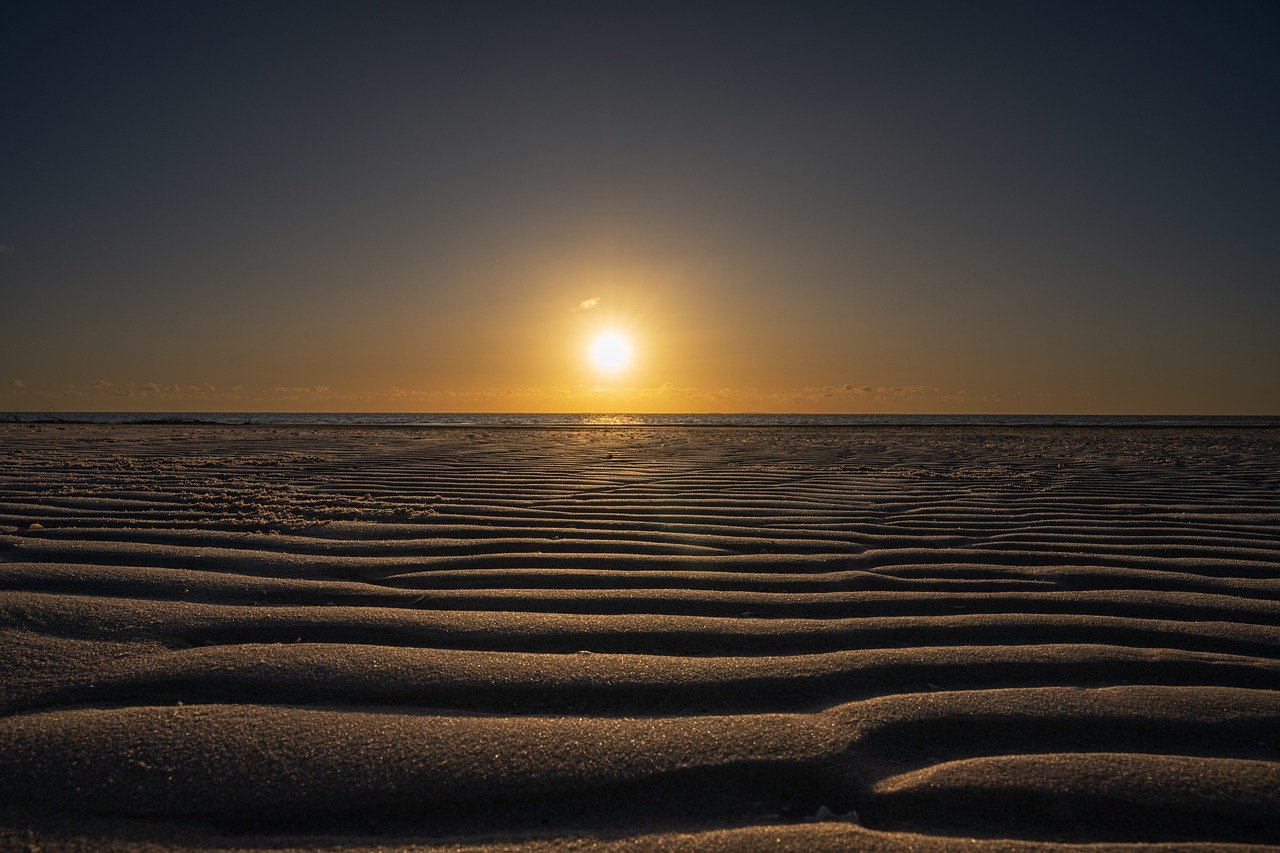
<point>894,637</point>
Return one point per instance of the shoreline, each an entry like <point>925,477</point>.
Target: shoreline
<point>1232,422</point>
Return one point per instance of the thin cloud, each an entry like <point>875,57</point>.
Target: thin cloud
<point>301,389</point>
<point>588,304</point>
<point>404,393</point>
<point>6,249</point>
<point>157,390</point>
<point>966,396</point>
<point>17,384</point>
<point>818,392</point>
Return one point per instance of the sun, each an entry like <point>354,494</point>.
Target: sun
<point>610,352</point>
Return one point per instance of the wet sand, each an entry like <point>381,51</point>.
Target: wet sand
<point>700,638</point>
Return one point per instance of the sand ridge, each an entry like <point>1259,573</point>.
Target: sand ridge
<point>806,638</point>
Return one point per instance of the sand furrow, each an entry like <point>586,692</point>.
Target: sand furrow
<point>613,683</point>
<point>298,761</point>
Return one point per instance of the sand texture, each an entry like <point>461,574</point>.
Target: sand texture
<point>882,638</point>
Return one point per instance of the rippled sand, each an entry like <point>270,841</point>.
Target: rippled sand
<point>701,638</point>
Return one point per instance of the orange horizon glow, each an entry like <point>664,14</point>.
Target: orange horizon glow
<point>707,348</point>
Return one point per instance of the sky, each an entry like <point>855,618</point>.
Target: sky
<point>889,207</point>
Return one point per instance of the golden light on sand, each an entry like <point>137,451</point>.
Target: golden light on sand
<point>610,352</point>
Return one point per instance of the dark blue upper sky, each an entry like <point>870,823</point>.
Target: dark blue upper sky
<point>959,206</point>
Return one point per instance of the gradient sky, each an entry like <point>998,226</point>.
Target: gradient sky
<point>847,207</point>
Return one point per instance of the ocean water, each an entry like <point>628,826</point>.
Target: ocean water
<point>646,420</point>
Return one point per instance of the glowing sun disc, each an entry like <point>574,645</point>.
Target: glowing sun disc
<point>610,352</point>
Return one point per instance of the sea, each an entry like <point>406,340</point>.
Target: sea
<point>457,419</point>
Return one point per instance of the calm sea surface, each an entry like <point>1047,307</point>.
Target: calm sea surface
<point>524,420</point>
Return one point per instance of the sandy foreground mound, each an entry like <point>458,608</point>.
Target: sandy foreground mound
<point>882,638</point>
